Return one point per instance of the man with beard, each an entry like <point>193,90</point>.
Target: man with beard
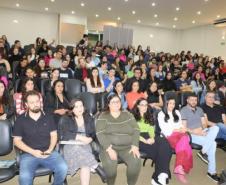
<point>36,135</point>
<point>193,119</point>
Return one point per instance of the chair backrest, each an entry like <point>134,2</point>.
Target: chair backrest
<point>14,68</point>
<point>43,86</point>
<point>103,101</point>
<point>69,49</point>
<point>172,94</point>
<point>184,97</point>
<point>89,101</point>
<point>73,87</point>
<point>17,85</point>
<point>6,140</point>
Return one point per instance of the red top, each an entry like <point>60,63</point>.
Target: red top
<point>132,97</point>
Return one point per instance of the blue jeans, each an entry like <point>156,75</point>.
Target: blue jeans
<point>222,131</point>
<point>208,146</point>
<point>29,164</point>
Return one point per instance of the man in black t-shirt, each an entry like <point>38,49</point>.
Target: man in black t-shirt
<point>36,135</point>
<point>215,114</point>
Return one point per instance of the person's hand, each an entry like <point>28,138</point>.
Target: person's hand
<point>38,154</point>
<point>3,117</point>
<point>183,129</point>
<point>84,139</point>
<point>61,111</point>
<point>47,153</point>
<point>112,154</point>
<point>150,141</point>
<point>135,151</point>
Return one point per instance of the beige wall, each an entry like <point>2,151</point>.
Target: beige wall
<point>30,25</point>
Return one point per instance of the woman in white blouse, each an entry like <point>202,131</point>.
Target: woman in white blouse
<point>95,84</point>
<point>171,127</point>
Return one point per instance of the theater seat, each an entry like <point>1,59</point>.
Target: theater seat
<point>6,147</point>
<point>73,87</point>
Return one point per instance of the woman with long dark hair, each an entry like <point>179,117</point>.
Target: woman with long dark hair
<point>157,148</point>
<point>56,101</point>
<point>95,84</point>
<point>28,84</point>
<point>154,98</point>
<point>197,84</point>
<point>168,84</point>
<point>6,103</point>
<point>79,126</point>
<point>118,89</point>
<point>118,135</point>
<point>134,94</point>
<point>172,128</point>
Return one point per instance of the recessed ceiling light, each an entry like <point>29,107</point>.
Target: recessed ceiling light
<point>193,22</point>
<point>199,12</point>
<point>72,12</point>
<point>175,19</point>
<point>52,0</point>
<point>206,0</point>
<point>174,26</point>
<point>17,5</point>
<point>15,21</point>
<point>151,35</point>
<point>119,18</point>
<point>177,8</point>
<point>223,37</point>
<point>82,4</point>
<point>97,15</point>
<point>133,12</point>
<point>46,9</point>
<point>126,0</point>
<point>153,4</point>
<point>157,24</point>
<point>139,21</point>
<point>155,16</point>
<point>218,16</point>
<point>109,8</point>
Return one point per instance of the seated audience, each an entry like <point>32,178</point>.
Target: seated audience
<point>168,83</point>
<point>54,76</point>
<point>28,84</point>
<point>56,102</point>
<point>169,120</point>
<point>157,148</point>
<point>194,120</point>
<point>82,73</point>
<point>183,84</point>
<point>41,70</point>
<point>65,71</point>
<point>6,103</point>
<point>197,84</point>
<point>79,126</point>
<point>56,61</point>
<point>118,135</point>
<point>134,94</point>
<point>109,80</point>
<point>154,98</point>
<point>118,89</point>
<point>215,114</point>
<point>35,134</point>
<point>95,84</point>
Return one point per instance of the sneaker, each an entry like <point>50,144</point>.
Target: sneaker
<point>162,178</point>
<point>153,182</point>
<point>203,157</point>
<point>214,177</point>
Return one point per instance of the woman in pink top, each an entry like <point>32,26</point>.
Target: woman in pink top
<point>27,85</point>
<point>134,94</point>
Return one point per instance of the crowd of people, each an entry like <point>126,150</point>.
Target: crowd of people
<point>135,82</point>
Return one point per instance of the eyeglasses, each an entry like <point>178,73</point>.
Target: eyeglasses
<point>115,102</point>
<point>143,105</point>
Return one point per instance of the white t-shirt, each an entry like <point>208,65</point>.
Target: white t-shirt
<point>168,127</point>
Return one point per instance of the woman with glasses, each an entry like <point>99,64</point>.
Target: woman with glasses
<point>118,135</point>
<point>157,148</point>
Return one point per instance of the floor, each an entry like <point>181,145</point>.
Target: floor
<point>196,177</point>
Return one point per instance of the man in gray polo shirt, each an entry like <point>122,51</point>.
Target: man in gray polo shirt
<point>195,122</point>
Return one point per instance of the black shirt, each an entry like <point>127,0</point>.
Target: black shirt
<point>214,114</point>
<point>35,134</point>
